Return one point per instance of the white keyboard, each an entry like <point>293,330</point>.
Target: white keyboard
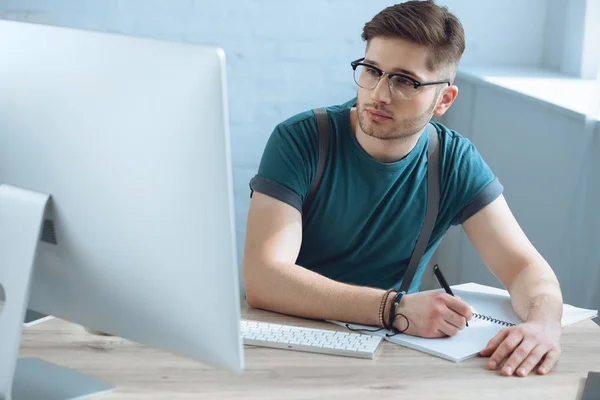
<point>310,340</point>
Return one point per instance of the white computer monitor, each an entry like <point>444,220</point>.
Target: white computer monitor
<point>115,151</point>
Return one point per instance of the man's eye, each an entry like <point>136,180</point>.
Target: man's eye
<point>399,82</point>
<point>372,71</point>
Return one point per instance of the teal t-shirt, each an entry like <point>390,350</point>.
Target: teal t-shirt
<point>365,219</point>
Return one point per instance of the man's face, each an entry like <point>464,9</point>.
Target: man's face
<point>385,116</point>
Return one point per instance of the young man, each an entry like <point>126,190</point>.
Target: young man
<point>337,259</point>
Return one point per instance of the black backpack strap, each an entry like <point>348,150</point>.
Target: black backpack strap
<point>323,130</point>
<point>433,200</point>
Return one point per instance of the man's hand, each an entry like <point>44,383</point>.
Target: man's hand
<point>432,314</point>
<point>524,346</point>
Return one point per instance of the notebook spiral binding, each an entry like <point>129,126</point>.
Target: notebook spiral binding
<point>494,320</point>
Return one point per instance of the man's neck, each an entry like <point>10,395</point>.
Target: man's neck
<point>385,151</point>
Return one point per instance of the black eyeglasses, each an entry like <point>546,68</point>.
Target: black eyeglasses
<point>402,86</point>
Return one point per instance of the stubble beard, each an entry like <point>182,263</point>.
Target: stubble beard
<point>400,130</point>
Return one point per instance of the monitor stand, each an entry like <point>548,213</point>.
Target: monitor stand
<point>33,318</point>
<point>21,214</point>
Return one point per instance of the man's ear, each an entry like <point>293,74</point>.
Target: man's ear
<point>448,96</point>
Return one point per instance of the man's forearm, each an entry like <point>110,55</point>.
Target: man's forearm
<point>536,294</point>
<point>294,290</point>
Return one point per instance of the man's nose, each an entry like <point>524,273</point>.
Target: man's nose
<point>381,93</point>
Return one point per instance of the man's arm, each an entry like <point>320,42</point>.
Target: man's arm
<point>533,286</point>
<point>274,282</point>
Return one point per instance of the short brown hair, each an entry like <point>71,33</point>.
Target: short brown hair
<point>424,23</point>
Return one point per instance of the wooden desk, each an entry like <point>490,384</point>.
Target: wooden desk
<point>396,372</point>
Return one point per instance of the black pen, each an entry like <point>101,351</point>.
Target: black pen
<point>438,274</point>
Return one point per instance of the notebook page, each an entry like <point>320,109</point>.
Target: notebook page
<point>571,314</point>
<point>466,344</point>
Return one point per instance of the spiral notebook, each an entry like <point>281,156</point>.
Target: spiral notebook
<point>493,312</point>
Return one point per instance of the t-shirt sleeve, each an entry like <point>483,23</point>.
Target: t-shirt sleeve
<point>470,183</point>
<point>288,163</point>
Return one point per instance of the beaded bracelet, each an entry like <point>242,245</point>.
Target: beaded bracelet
<point>384,299</point>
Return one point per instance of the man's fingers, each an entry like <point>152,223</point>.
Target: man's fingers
<point>460,307</point>
<point>505,348</point>
<point>494,343</point>
<point>521,359</point>
<point>455,319</point>
<point>448,329</point>
<point>549,362</point>
<point>535,356</point>
<point>442,312</point>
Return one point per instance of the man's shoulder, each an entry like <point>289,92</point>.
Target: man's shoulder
<point>453,143</point>
<point>303,125</point>
<point>448,134</point>
<point>297,121</point>
<point>298,131</point>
